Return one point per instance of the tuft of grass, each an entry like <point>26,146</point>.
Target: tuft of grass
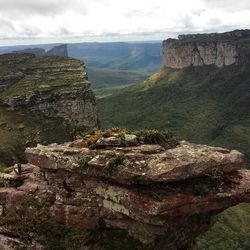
<point>154,136</point>
<point>83,161</point>
<point>114,162</point>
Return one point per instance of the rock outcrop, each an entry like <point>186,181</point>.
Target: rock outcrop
<point>164,198</point>
<point>208,49</point>
<point>54,86</point>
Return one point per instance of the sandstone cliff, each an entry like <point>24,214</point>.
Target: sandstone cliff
<point>163,196</point>
<point>208,49</point>
<point>42,100</point>
<point>54,86</point>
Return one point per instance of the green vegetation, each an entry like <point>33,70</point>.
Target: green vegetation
<point>107,78</point>
<point>231,231</point>
<point>200,104</point>
<point>165,139</point>
<point>31,76</point>
<point>41,75</point>
<point>21,130</point>
<point>114,161</point>
<point>83,161</point>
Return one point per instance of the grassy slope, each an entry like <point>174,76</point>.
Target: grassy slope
<point>205,105</point>
<point>42,75</point>
<point>108,78</point>
<point>231,231</point>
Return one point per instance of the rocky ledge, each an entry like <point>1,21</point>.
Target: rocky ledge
<point>162,193</point>
<point>51,85</point>
<point>207,49</point>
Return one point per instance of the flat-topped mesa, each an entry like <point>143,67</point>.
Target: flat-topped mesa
<point>162,195</point>
<point>220,49</point>
<point>55,86</point>
<point>231,35</point>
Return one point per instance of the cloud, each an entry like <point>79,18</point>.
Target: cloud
<point>57,20</point>
<point>40,7</point>
<point>228,5</point>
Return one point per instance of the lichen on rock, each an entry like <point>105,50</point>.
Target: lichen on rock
<point>162,198</point>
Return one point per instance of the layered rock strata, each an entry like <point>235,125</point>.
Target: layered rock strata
<point>54,86</point>
<point>164,198</point>
<point>208,49</point>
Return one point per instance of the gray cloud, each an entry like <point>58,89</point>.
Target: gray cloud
<point>24,20</point>
<point>7,26</point>
<point>40,7</point>
<point>229,5</point>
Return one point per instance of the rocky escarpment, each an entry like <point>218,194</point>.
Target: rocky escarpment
<point>163,196</point>
<point>54,86</point>
<point>208,49</point>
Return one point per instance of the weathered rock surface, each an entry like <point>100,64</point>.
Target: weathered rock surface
<point>163,198</point>
<point>207,49</point>
<point>54,86</point>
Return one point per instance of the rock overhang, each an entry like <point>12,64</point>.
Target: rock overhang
<point>144,189</point>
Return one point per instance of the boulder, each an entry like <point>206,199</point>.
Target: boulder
<point>162,198</point>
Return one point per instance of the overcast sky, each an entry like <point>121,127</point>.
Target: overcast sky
<point>42,21</point>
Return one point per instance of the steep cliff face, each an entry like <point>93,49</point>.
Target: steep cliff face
<point>55,86</point>
<point>42,100</point>
<point>162,197</point>
<point>207,49</point>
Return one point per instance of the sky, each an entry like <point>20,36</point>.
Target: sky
<point>49,21</point>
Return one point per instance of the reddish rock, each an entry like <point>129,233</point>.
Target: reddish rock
<point>207,49</point>
<point>163,198</point>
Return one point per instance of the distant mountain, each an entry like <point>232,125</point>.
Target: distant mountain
<point>18,48</point>
<point>120,55</point>
<point>34,51</point>
<point>139,56</point>
<point>58,50</point>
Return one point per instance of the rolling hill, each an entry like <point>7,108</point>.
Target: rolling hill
<point>201,104</point>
